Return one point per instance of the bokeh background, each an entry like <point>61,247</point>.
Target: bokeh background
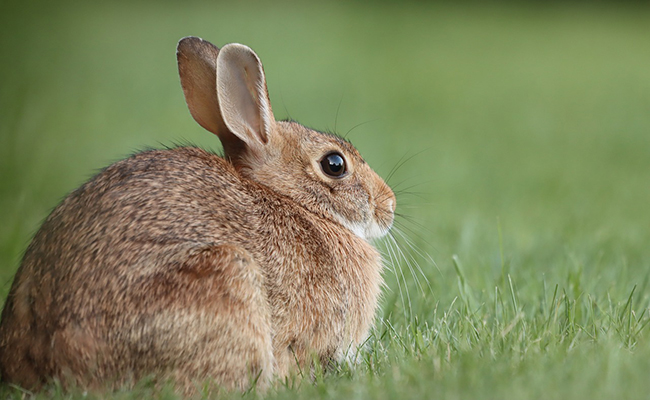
<point>521,130</point>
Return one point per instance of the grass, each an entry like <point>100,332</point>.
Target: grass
<point>524,132</point>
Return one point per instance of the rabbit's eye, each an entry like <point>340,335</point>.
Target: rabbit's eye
<point>333,165</point>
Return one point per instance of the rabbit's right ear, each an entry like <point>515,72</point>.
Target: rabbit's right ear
<point>243,96</point>
<point>197,68</point>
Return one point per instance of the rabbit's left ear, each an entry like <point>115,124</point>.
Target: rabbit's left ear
<point>197,67</point>
<point>243,96</point>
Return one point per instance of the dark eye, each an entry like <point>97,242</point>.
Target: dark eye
<point>333,165</point>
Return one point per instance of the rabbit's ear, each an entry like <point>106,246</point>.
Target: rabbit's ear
<point>197,67</point>
<point>243,96</point>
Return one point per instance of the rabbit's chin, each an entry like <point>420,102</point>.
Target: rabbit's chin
<point>366,231</point>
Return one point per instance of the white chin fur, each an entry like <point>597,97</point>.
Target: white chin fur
<point>365,232</point>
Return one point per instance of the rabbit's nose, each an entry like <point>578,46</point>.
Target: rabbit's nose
<point>391,205</point>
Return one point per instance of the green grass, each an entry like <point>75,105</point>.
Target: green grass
<point>526,135</point>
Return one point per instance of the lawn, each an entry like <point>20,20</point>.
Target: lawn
<point>517,137</point>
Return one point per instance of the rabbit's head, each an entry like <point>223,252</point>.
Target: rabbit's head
<point>226,93</point>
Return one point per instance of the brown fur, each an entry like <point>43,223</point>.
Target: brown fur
<point>187,266</point>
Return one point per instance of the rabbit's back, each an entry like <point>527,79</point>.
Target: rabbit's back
<point>117,223</point>
<point>109,268</point>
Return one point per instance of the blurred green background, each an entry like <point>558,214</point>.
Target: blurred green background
<point>525,127</point>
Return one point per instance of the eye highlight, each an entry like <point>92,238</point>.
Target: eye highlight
<point>333,165</point>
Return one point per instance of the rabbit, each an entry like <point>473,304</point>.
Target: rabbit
<point>191,267</point>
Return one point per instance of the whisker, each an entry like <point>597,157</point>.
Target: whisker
<point>402,193</point>
<point>387,256</point>
<point>336,117</point>
<point>410,230</point>
<point>403,161</point>
<point>388,264</point>
<point>395,187</point>
<point>395,168</point>
<point>414,264</point>
<point>284,105</point>
<point>399,254</point>
<point>408,264</point>
<point>411,206</point>
<point>413,221</point>
<point>399,273</point>
<point>423,254</point>
<point>358,125</point>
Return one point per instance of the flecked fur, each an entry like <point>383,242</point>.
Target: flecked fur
<point>184,265</point>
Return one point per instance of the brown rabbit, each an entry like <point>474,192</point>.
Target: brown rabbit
<point>184,265</point>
